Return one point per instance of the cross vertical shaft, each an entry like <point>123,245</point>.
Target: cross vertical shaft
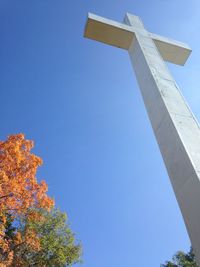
<point>176,130</point>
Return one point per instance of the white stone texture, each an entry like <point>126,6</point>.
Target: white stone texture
<point>176,130</point>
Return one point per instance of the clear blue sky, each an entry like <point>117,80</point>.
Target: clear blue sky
<point>80,103</point>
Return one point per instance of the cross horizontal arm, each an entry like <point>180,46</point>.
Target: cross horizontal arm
<point>122,35</point>
<point>171,50</point>
<point>108,31</point>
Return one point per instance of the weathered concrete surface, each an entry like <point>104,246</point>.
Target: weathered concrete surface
<point>176,130</point>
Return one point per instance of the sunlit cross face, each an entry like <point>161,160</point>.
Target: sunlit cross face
<point>175,128</point>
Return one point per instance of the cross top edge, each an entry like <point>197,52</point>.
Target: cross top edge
<point>133,20</point>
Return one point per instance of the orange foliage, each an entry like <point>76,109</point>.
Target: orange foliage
<point>19,189</point>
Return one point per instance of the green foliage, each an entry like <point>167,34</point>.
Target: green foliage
<point>181,259</point>
<point>57,242</point>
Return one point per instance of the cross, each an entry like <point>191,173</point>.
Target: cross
<point>175,127</point>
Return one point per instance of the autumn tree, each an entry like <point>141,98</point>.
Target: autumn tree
<point>19,189</point>
<point>27,215</point>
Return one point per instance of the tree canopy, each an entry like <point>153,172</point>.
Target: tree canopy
<point>32,231</point>
<point>181,259</point>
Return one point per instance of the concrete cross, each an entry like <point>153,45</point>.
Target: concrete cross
<point>175,127</point>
